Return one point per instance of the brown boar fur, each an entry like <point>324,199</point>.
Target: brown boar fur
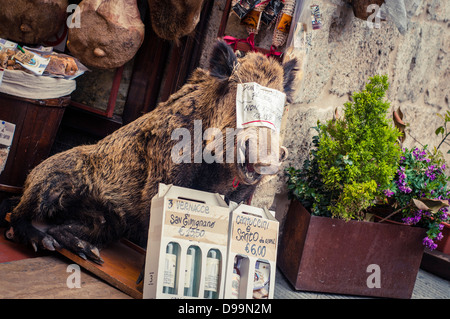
<point>173,19</point>
<point>92,195</point>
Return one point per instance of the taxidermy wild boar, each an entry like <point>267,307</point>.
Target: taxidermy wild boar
<point>173,19</point>
<point>92,195</point>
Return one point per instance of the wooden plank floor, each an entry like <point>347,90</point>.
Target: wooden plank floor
<point>46,277</point>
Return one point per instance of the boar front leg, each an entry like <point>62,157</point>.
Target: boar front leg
<point>61,211</point>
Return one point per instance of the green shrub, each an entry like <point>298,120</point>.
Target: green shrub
<point>354,160</point>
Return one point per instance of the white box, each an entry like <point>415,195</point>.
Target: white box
<point>184,218</point>
<point>254,239</point>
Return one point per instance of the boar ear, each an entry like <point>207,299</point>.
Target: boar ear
<point>222,61</point>
<point>290,69</point>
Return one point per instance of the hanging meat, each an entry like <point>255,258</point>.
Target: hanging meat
<point>109,35</point>
<point>173,19</point>
<point>31,21</point>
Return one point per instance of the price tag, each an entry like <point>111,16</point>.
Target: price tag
<point>257,105</point>
<point>6,138</point>
<point>24,57</point>
<point>254,236</point>
<point>6,133</point>
<point>2,71</point>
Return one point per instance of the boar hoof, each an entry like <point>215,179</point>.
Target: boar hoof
<point>76,245</point>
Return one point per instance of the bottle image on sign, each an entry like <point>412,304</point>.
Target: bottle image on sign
<point>261,283</point>
<point>213,265</point>
<point>192,271</point>
<point>170,268</point>
<point>236,277</point>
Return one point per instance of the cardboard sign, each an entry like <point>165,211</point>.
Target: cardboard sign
<point>187,244</point>
<point>194,221</point>
<point>257,105</point>
<point>255,236</point>
<point>6,138</point>
<point>252,253</point>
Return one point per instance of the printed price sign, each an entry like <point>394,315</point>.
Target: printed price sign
<point>254,236</point>
<point>257,105</point>
<point>6,138</point>
<point>6,133</point>
<point>196,221</point>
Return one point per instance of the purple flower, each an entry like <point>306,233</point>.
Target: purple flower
<point>388,192</point>
<point>414,219</point>
<point>430,172</point>
<point>428,242</point>
<point>405,189</point>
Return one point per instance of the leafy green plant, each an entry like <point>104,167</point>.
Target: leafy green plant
<point>420,192</point>
<point>355,157</point>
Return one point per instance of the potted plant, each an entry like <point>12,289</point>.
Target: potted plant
<point>354,160</point>
<point>419,192</point>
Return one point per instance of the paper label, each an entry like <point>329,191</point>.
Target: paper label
<point>5,44</point>
<point>187,272</point>
<point>170,266</point>
<point>316,17</point>
<point>33,62</point>
<point>235,283</point>
<point>254,236</point>
<point>285,23</point>
<point>212,274</point>
<point>252,19</point>
<point>196,221</point>
<point>6,133</point>
<point>257,105</point>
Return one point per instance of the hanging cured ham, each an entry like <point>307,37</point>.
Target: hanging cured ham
<point>109,35</point>
<point>173,19</point>
<point>31,21</point>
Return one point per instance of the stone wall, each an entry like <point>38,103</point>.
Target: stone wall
<point>343,55</point>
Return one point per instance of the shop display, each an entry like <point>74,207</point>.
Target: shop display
<point>110,34</point>
<point>187,244</point>
<point>174,19</point>
<point>283,24</point>
<point>31,21</point>
<point>82,182</point>
<point>37,73</point>
<point>252,253</point>
<point>271,11</point>
<point>267,18</point>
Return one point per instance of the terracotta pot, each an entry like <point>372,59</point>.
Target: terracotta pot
<point>331,255</point>
<point>444,244</point>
